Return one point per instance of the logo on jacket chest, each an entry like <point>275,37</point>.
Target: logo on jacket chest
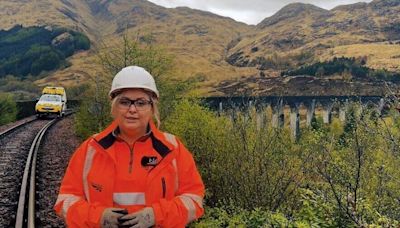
<point>149,161</point>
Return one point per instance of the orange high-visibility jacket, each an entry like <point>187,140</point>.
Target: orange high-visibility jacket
<point>173,187</point>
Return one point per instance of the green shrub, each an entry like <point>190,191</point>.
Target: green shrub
<point>322,180</point>
<point>201,132</point>
<point>240,162</point>
<point>351,170</point>
<point>21,89</point>
<point>230,216</point>
<point>77,92</point>
<point>8,109</point>
<point>94,111</point>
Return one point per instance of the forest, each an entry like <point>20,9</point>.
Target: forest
<point>31,50</point>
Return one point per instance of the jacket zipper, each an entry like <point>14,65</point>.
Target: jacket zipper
<point>130,159</point>
<point>164,188</point>
<point>130,166</point>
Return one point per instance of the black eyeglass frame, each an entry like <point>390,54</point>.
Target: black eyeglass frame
<point>134,103</point>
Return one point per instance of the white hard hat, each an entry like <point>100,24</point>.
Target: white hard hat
<point>133,77</point>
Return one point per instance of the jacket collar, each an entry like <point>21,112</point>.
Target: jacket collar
<point>117,131</point>
<point>107,137</point>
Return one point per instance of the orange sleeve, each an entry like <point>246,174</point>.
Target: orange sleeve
<point>187,205</point>
<point>71,202</point>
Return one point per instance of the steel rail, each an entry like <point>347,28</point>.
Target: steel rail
<point>11,129</point>
<point>23,219</point>
<point>26,203</point>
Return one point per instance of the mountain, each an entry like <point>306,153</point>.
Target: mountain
<point>220,50</point>
<point>196,38</point>
<point>292,12</point>
<point>298,29</point>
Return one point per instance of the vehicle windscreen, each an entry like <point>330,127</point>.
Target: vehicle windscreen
<point>53,98</point>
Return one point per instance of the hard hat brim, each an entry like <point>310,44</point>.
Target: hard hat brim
<point>114,93</point>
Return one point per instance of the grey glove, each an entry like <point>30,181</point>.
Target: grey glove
<point>110,216</point>
<point>141,219</point>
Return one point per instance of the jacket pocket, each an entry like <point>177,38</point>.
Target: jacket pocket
<point>164,187</point>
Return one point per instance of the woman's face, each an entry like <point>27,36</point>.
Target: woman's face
<point>133,110</point>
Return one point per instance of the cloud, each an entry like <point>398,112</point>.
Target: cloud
<point>249,11</point>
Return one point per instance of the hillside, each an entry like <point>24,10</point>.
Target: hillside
<point>301,28</point>
<point>218,49</point>
<point>197,39</point>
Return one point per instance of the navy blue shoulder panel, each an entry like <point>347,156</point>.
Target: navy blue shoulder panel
<point>160,147</point>
<point>107,141</point>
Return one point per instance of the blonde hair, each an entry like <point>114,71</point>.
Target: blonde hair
<point>153,98</point>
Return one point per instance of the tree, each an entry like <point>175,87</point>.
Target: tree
<point>320,72</point>
<point>112,59</point>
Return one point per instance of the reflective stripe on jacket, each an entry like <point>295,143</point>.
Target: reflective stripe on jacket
<point>173,188</point>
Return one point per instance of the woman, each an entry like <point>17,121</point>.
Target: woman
<point>131,174</point>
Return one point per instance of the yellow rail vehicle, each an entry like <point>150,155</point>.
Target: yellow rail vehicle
<point>52,102</point>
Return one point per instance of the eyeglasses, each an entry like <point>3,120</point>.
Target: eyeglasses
<point>140,104</point>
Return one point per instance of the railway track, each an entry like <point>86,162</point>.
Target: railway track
<point>15,144</point>
<point>26,202</point>
<point>15,127</point>
<point>19,148</point>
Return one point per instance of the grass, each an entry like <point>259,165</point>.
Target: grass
<point>379,55</point>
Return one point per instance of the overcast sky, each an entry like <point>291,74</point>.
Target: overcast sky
<point>248,11</point>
